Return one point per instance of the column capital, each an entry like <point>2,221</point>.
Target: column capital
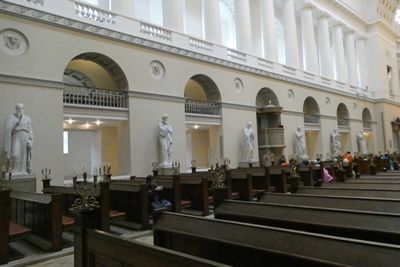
<point>308,6</point>
<point>349,32</point>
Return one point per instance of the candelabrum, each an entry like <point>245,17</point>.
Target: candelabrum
<point>4,184</point>
<point>156,165</point>
<point>176,166</point>
<point>218,179</point>
<point>46,173</point>
<point>86,191</point>
<point>226,162</point>
<point>105,172</point>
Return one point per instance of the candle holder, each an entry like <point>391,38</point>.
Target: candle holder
<point>4,184</point>
<point>86,191</point>
<point>226,162</point>
<point>176,167</point>
<point>105,172</point>
<point>46,174</point>
<point>193,167</point>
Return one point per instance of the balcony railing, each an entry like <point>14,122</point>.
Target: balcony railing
<point>367,124</point>
<point>202,108</point>
<point>94,97</point>
<point>313,119</point>
<point>343,122</point>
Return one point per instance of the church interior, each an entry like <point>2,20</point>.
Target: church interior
<point>199,133</point>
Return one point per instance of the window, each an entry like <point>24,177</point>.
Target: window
<point>65,142</point>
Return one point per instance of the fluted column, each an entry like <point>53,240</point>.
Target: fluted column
<point>173,14</point>
<point>291,42</point>
<point>308,41</point>
<point>360,58</point>
<point>125,8</point>
<point>351,58</point>
<point>243,26</point>
<point>340,63</point>
<point>212,21</point>
<point>324,48</point>
<point>268,29</point>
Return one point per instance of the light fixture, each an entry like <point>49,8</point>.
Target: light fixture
<point>98,122</point>
<point>70,121</point>
<point>196,126</point>
<point>86,125</point>
<point>397,16</point>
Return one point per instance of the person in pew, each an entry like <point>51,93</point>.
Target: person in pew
<point>154,190</point>
<point>326,176</point>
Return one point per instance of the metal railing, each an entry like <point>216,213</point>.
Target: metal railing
<point>94,97</point>
<point>202,108</point>
<point>343,122</point>
<point>314,119</point>
<point>367,124</point>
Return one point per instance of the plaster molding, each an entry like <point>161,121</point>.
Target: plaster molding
<point>5,78</point>
<point>238,106</point>
<point>155,96</point>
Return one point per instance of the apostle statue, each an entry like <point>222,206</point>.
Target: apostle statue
<point>248,142</point>
<point>335,143</point>
<point>362,143</point>
<point>18,142</point>
<point>165,136</point>
<point>300,144</point>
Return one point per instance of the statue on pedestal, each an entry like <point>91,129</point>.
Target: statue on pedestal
<point>165,136</point>
<point>335,143</point>
<point>248,142</point>
<point>362,143</point>
<point>18,142</point>
<point>300,144</point>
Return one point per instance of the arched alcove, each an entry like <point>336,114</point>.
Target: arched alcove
<point>266,97</point>
<point>202,88</point>
<point>342,114</point>
<point>366,118</point>
<point>103,71</point>
<point>311,111</point>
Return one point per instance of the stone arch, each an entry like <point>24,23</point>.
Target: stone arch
<point>202,88</point>
<point>102,71</point>
<point>342,114</point>
<point>366,118</point>
<point>265,97</point>
<point>311,110</point>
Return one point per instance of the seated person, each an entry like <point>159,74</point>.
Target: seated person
<point>348,156</point>
<point>154,190</point>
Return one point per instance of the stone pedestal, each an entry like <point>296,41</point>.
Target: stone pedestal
<point>166,171</point>
<point>247,164</point>
<point>25,183</point>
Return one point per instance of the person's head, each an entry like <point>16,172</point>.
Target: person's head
<point>249,124</point>
<point>19,109</point>
<point>298,127</point>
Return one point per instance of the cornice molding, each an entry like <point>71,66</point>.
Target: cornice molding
<point>155,96</point>
<point>5,78</point>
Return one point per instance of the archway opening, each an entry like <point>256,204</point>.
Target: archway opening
<point>312,127</point>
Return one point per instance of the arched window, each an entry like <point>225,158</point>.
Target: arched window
<point>311,111</point>
<point>342,114</point>
<point>366,119</point>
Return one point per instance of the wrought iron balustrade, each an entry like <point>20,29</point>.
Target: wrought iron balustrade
<point>313,119</point>
<point>343,122</point>
<point>94,97</point>
<point>202,108</point>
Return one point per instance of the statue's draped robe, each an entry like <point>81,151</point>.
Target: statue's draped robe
<point>248,143</point>
<point>165,142</point>
<point>18,134</point>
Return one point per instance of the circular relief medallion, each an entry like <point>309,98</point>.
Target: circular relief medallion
<point>238,85</point>
<point>327,101</point>
<point>290,94</point>
<point>13,42</point>
<point>157,69</point>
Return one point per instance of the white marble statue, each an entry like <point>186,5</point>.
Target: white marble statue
<point>300,144</point>
<point>362,143</point>
<point>18,142</point>
<point>248,143</point>
<point>335,143</point>
<point>165,136</point>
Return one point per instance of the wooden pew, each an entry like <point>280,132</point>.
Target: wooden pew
<point>131,198</point>
<point>43,214</point>
<point>194,187</point>
<point>102,194</point>
<point>9,231</point>
<point>278,178</point>
<point>239,182</point>
<point>335,202</point>
<point>370,193</point>
<point>171,191</point>
<point>241,245</point>
<point>306,174</point>
<point>378,227</point>
<point>98,248</point>
<point>375,181</point>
